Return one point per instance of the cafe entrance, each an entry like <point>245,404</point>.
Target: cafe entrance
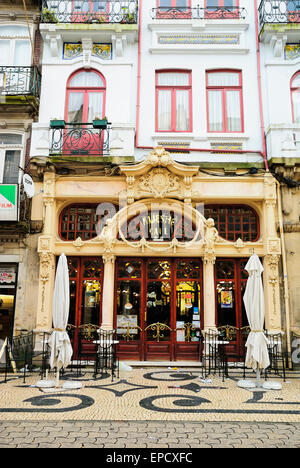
<point>158,308</point>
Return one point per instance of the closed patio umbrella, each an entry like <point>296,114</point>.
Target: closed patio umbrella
<point>61,348</point>
<point>257,357</point>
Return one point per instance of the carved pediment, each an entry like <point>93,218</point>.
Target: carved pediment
<point>159,176</point>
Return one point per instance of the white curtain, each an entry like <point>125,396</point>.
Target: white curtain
<point>22,56</point>
<point>233,108</point>
<point>95,106</point>
<point>215,111</point>
<point>173,79</point>
<point>4,53</point>
<point>296,104</point>
<point>75,113</point>
<point>223,79</point>
<point>87,80</point>
<point>182,110</point>
<point>164,115</point>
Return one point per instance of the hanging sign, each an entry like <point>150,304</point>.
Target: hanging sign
<point>8,202</point>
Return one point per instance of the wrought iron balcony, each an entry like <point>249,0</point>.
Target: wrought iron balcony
<point>80,140</point>
<point>211,12</point>
<point>90,11</point>
<point>279,11</point>
<point>19,81</point>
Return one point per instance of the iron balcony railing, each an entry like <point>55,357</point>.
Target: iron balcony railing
<point>279,11</point>
<point>20,81</point>
<point>211,12</point>
<point>90,11</point>
<point>80,139</point>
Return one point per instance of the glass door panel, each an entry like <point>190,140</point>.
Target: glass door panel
<point>158,315</point>
<point>128,310</point>
<point>188,308</point>
<point>91,299</point>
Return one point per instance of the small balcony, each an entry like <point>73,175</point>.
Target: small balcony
<point>273,12</point>
<point>90,11</point>
<point>198,13</point>
<point>79,140</point>
<point>20,81</point>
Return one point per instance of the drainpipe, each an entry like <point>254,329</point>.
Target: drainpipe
<point>198,150</point>
<point>285,275</point>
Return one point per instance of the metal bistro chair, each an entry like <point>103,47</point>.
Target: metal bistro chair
<point>87,335</point>
<point>21,355</point>
<point>295,357</point>
<point>214,358</point>
<point>277,356</point>
<point>106,357</point>
<point>239,336</point>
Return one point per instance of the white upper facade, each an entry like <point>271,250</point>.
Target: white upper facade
<point>280,59</point>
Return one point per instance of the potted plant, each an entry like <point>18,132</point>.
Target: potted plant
<point>100,123</point>
<point>56,123</point>
<point>49,16</point>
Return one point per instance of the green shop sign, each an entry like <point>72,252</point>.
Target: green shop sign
<point>8,203</point>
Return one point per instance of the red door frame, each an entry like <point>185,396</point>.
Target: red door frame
<point>78,307</point>
<point>138,349</point>
<point>238,281</point>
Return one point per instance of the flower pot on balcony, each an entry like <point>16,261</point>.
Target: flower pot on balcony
<point>57,124</point>
<point>102,124</point>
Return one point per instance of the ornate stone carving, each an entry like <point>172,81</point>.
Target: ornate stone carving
<point>78,243</point>
<point>273,246</point>
<point>159,183</point>
<point>108,236</point>
<point>211,236</point>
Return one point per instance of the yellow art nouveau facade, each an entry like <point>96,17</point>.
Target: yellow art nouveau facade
<point>161,182</point>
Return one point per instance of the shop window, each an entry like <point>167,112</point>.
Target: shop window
<point>8,284</point>
<point>15,49</point>
<point>295,94</point>
<point>173,101</point>
<point>10,158</point>
<point>224,101</point>
<point>234,222</point>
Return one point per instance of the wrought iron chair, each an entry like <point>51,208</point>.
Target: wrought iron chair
<point>277,355</point>
<point>238,335</point>
<point>21,355</point>
<point>214,359</point>
<point>86,349</point>
<point>106,357</point>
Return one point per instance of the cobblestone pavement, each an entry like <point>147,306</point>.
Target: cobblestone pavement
<point>148,435</point>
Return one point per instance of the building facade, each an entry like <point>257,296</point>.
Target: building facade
<point>19,105</point>
<point>151,173</point>
<point>279,34</point>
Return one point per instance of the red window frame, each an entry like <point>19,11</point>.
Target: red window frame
<point>224,90</point>
<point>86,91</point>
<point>64,234</point>
<point>213,11</point>
<point>249,215</point>
<point>173,90</point>
<point>294,90</point>
<point>174,12</point>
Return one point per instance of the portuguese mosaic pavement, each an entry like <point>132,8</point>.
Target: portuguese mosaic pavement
<point>159,394</point>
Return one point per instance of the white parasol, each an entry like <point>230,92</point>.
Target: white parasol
<point>257,357</point>
<point>61,348</point>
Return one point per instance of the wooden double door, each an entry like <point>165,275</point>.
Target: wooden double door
<point>158,308</point>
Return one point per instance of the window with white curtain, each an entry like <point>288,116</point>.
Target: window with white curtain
<point>10,158</point>
<point>224,101</point>
<point>173,101</point>
<point>295,91</point>
<point>15,48</point>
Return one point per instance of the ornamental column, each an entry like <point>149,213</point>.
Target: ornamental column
<point>209,261</point>
<point>108,292</point>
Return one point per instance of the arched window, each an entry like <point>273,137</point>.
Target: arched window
<point>295,94</point>
<point>84,220</point>
<point>234,222</point>
<point>85,101</point>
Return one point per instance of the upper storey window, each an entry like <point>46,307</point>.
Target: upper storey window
<point>85,97</point>
<point>173,101</point>
<point>224,101</point>
<point>10,158</point>
<point>221,8</point>
<point>173,9</point>
<point>14,46</point>
<point>295,91</point>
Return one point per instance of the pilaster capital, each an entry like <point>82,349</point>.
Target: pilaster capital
<point>108,258</point>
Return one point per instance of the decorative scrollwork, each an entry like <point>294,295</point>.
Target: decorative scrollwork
<point>158,328</point>
<point>79,140</point>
